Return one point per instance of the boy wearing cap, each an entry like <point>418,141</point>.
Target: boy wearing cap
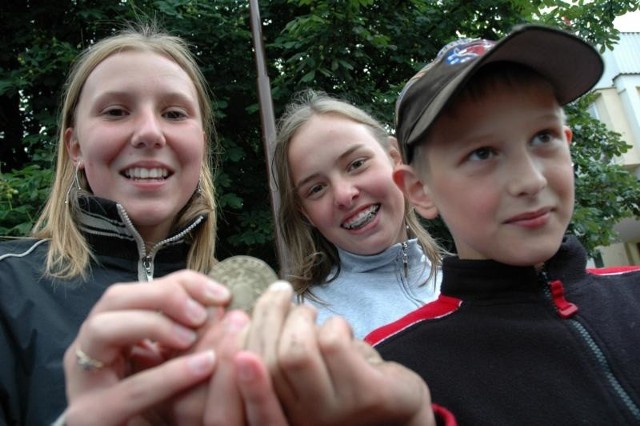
<point>522,333</point>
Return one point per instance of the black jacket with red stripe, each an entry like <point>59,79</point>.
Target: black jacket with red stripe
<point>507,345</point>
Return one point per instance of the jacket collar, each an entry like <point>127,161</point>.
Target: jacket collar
<point>108,229</point>
<point>381,261</point>
<point>484,279</point>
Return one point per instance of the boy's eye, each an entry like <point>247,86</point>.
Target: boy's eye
<point>483,153</point>
<point>543,137</point>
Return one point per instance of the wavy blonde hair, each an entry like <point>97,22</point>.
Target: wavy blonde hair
<point>310,255</point>
<point>69,253</point>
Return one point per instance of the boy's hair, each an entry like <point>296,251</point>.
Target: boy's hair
<point>569,64</point>
<point>69,253</point>
<point>486,80</point>
<point>310,255</point>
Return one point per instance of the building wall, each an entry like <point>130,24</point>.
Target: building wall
<point>618,107</point>
<point>620,254</point>
<point>610,109</point>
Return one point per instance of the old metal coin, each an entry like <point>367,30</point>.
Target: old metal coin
<point>247,277</point>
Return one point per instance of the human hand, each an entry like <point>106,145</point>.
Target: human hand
<point>240,391</point>
<point>135,326</point>
<point>325,377</point>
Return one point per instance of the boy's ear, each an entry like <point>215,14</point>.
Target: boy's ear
<point>72,146</point>
<point>394,151</point>
<point>416,192</point>
<point>568,134</point>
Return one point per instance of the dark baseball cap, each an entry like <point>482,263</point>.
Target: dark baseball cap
<point>571,65</point>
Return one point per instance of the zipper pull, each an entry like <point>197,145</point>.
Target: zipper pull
<point>146,263</point>
<point>565,308</point>
<point>405,259</point>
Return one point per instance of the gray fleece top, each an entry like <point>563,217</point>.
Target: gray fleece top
<point>371,291</point>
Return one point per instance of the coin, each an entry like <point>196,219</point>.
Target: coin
<point>247,277</point>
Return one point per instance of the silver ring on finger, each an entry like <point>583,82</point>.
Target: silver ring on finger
<point>86,362</point>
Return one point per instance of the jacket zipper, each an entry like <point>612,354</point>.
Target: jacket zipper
<point>402,274</point>
<point>554,291</point>
<point>405,259</point>
<point>146,260</point>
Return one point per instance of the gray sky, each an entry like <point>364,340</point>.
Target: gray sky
<point>629,22</point>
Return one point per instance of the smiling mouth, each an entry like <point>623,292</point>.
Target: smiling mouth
<point>529,216</point>
<point>361,219</point>
<point>140,173</point>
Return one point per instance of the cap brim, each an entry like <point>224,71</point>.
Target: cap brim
<point>571,65</point>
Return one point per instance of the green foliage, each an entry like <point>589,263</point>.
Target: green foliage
<point>605,191</point>
<point>591,20</point>
<point>22,195</point>
<point>361,50</point>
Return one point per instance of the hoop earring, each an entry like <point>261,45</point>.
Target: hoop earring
<point>76,182</point>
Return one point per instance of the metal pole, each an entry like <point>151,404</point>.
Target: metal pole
<point>268,123</point>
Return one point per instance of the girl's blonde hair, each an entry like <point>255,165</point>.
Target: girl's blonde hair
<point>69,253</point>
<point>311,256</point>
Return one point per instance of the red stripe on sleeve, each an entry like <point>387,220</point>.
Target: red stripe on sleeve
<point>442,306</point>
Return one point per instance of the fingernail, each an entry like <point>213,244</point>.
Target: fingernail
<point>280,285</point>
<point>235,321</point>
<point>246,372</point>
<point>215,291</point>
<point>185,335</point>
<point>195,311</point>
<point>202,362</point>
<point>215,313</point>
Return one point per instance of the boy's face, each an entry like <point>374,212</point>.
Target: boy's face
<point>499,172</point>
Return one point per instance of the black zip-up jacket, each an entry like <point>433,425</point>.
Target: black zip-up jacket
<point>505,345</point>
<point>40,317</point>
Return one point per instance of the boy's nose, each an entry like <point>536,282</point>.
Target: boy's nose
<point>526,177</point>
